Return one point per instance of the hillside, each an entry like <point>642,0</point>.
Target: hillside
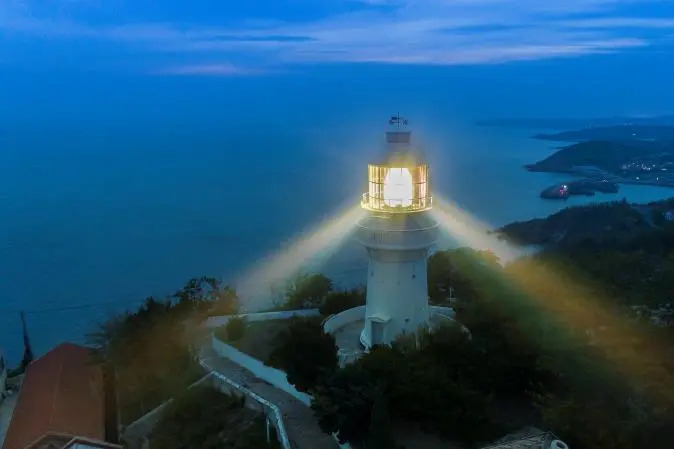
<point>606,155</point>
<point>597,224</point>
<point>622,133</point>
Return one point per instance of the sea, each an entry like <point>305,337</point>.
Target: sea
<point>92,222</point>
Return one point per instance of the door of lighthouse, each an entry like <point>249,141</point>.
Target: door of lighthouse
<point>377,333</point>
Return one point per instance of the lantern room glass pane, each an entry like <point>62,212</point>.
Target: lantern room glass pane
<point>397,189</point>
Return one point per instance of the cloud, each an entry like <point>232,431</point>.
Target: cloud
<point>431,32</point>
<point>221,69</point>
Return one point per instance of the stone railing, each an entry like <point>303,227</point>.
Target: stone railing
<point>217,321</point>
<point>135,435</point>
<point>271,410</point>
<point>343,318</point>
<point>448,312</point>
<point>276,377</point>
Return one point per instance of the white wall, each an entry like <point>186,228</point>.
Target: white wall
<point>276,377</point>
<point>150,419</point>
<point>271,410</point>
<point>397,291</point>
<point>446,311</point>
<point>217,321</point>
<point>341,319</point>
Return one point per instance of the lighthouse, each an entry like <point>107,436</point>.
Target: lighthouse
<point>397,233</point>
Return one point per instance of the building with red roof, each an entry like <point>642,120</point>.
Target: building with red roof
<point>61,403</point>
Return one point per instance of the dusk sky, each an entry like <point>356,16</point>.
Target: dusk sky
<point>473,57</point>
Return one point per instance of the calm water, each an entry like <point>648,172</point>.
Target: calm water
<point>109,218</point>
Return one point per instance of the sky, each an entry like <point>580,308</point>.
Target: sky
<point>108,59</point>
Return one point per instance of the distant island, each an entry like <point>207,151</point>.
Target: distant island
<point>577,123</point>
<point>604,153</point>
<point>623,160</point>
<point>622,133</point>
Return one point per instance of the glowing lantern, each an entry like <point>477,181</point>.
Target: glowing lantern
<point>399,187</point>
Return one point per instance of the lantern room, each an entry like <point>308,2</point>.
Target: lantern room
<point>400,183</point>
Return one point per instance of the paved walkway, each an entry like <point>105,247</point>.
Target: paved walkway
<point>301,425</point>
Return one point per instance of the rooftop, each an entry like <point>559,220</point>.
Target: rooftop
<point>61,394</point>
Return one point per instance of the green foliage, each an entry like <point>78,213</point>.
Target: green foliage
<point>336,302</point>
<point>343,403</point>
<point>305,353</point>
<point>235,328</point>
<point>307,291</point>
<point>551,343</point>
<point>446,273</point>
<point>205,418</point>
<point>404,383</point>
<point>380,433</point>
<point>225,302</point>
<point>150,349</point>
<point>604,380</point>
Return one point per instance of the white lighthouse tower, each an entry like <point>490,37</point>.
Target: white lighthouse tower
<point>397,234</point>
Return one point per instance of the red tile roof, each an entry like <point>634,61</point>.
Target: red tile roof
<point>62,393</point>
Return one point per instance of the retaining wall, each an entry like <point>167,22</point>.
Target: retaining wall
<point>341,319</point>
<point>217,321</point>
<point>274,376</point>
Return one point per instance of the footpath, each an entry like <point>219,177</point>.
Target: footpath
<point>300,422</point>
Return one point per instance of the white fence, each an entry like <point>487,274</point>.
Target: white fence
<point>136,434</point>
<point>271,410</point>
<point>446,311</point>
<point>141,428</point>
<point>341,319</point>
<point>276,377</point>
<point>217,321</point>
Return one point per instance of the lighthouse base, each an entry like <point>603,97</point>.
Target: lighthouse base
<point>348,327</point>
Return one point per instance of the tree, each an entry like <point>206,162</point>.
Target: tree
<point>150,353</point>
<point>343,404</point>
<point>307,291</point>
<point>206,418</point>
<point>305,353</point>
<point>339,301</point>
<point>226,302</point>
<point>446,274</point>
<point>380,433</point>
<point>235,328</point>
<point>400,383</point>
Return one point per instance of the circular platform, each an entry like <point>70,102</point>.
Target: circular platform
<point>348,325</point>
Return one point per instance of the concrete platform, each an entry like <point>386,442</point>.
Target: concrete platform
<point>347,337</point>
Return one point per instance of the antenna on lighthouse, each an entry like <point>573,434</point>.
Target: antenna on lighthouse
<point>398,121</point>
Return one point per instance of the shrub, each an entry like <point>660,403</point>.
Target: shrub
<point>305,353</point>
<point>236,327</point>
<point>340,301</point>
<point>307,291</point>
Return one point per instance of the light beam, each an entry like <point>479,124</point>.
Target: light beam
<point>255,288</point>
